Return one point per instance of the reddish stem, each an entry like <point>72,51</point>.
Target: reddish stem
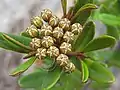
<point>79,55</point>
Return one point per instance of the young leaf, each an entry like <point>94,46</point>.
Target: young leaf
<point>85,72</point>
<point>43,79</point>
<point>83,12</point>
<point>99,73</point>
<point>85,37</point>
<point>80,3</point>
<point>23,67</point>
<point>64,6</point>
<point>100,43</point>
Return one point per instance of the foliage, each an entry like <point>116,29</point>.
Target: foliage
<point>87,55</point>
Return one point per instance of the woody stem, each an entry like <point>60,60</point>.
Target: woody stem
<point>79,55</point>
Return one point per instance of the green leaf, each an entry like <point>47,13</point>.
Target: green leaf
<point>16,42</point>
<point>64,6</point>
<point>99,73</point>
<point>76,62</point>
<point>100,43</point>
<point>99,86</point>
<point>115,58</point>
<point>83,12</point>
<point>85,72</point>
<point>66,81</point>
<point>43,79</point>
<point>85,37</point>
<point>113,31</point>
<point>54,77</point>
<point>110,19</point>
<point>80,3</point>
<point>24,40</point>
<point>10,46</point>
<point>23,67</point>
<point>6,44</point>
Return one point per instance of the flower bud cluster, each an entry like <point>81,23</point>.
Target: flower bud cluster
<point>52,36</point>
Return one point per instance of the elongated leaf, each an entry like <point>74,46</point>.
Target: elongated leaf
<point>42,79</point>
<point>4,43</point>
<point>85,37</point>
<point>110,19</point>
<point>83,13</point>
<point>23,67</point>
<point>80,3</point>
<point>16,42</point>
<point>24,40</point>
<point>85,72</point>
<point>99,73</point>
<point>100,43</point>
<point>64,6</point>
<point>10,46</point>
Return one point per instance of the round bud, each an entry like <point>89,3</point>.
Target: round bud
<point>41,53</point>
<point>76,28</point>
<point>37,21</point>
<point>68,36</point>
<point>46,14</point>
<point>65,48</point>
<point>54,21</point>
<point>62,60</point>
<point>36,43</point>
<point>70,67</point>
<point>47,41</point>
<point>64,24</point>
<point>53,51</point>
<point>32,31</point>
<point>58,32</point>
<point>45,32</point>
<point>46,26</point>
